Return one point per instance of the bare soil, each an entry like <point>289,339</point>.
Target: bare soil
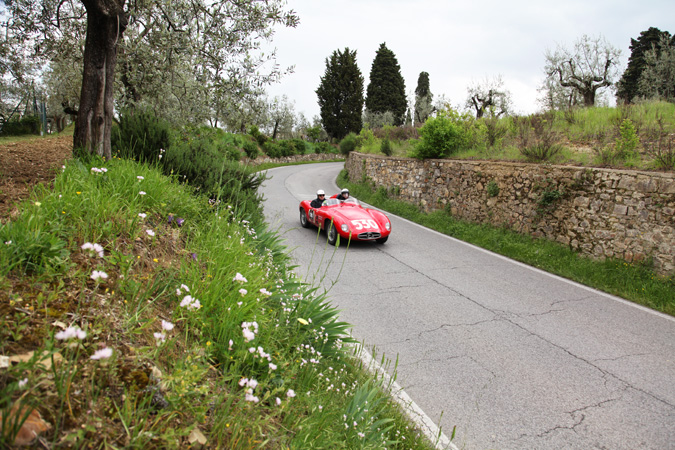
<point>26,162</point>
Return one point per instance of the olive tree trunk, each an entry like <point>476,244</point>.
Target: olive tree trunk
<point>106,22</point>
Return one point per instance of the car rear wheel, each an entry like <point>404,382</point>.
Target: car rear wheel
<point>303,218</point>
<point>382,240</point>
<point>331,231</point>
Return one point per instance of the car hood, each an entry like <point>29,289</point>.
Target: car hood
<point>349,213</point>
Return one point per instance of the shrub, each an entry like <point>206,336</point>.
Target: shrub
<point>323,147</point>
<point>272,149</point>
<point>367,137</point>
<point>660,145</point>
<point>25,125</point>
<point>257,135</point>
<point>203,164</point>
<point>628,140</point>
<point>492,188</point>
<point>251,149</point>
<point>385,147</point>
<point>300,146</point>
<point>348,144</point>
<point>441,136</point>
<point>140,135</point>
<point>538,140</point>
<point>287,148</point>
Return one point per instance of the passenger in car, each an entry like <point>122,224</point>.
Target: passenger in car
<point>318,201</point>
<point>343,195</point>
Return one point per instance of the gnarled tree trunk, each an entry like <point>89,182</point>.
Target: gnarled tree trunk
<point>106,22</point>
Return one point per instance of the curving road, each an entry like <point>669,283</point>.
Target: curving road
<point>514,357</point>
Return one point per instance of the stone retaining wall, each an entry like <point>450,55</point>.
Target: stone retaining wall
<point>294,158</point>
<point>600,212</point>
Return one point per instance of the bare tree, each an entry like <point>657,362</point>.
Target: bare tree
<point>591,65</point>
<point>489,97</point>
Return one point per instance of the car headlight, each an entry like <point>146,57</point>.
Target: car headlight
<point>344,227</point>
<point>388,226</point>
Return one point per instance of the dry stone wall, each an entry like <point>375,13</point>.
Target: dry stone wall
<point>628,215</point>
<point>295,158</point>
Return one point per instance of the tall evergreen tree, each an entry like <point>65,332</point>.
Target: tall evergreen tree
<point>341,95</point>
<point>386,90</point>
<point>628,84</point>
<point>423,99</point>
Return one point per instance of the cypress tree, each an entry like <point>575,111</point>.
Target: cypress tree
<point>341,95</point>
<point>423,98</point>
<point>628,84</point>
<point>386,89</point>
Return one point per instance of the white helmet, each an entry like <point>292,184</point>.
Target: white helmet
<point>320,192</point>
<point>345,191</point>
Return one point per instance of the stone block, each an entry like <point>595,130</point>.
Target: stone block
<point>620,210</point>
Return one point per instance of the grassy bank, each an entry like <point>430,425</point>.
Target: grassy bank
<point>630,281</point>
<point>140,315</point>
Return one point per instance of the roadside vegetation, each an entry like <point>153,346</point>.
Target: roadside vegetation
<point>145,305</point>
<point>634,282</point>
<point>639,136</point>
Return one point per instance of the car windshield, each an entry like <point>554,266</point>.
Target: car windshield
<point>335,201</point>
<point>352,200</point>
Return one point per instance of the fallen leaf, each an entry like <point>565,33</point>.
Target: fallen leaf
<point>30,428</point>
<point>196,437</point>
<point>45,359</point>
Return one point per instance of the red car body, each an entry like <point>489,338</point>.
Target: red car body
<point>346,219</point>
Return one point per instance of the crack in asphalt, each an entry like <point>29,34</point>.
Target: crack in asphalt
<point>502,316</point>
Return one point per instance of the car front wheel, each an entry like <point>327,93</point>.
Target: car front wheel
<point>332,232</point>
<point>303,218</point>
<point>382,240</point>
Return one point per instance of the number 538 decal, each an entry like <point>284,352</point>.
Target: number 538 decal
<point>364,224</point>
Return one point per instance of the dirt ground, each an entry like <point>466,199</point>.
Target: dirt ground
<point>27,162</point>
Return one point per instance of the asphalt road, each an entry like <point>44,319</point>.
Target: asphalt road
<point>513,357</point>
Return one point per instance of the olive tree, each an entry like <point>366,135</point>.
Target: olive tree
<point>588,67</point>
<point>489,97</point>
<point>658,76</point>
<point>184,57</point>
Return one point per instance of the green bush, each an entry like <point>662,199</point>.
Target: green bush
<point>25,125</point>
<point>203,164</point>
<point>492,188</point>
<point>251,149</point>
<point>385,147</point>
<point>272,149</point>
<point>323,147</point>
<point>300,146</point>
<point>442,136</point>
<point>140,135</point>
<point>348,144</point>
<point>257,135</point>
<point>287,147</point>
<point>628,140</point>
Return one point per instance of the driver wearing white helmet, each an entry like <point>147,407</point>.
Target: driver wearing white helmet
<point>343,195</point>
<point>318,201</point>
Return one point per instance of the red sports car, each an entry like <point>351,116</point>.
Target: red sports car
<point>347,219</point>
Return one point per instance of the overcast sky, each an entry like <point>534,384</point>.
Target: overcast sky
<point>456,42</point>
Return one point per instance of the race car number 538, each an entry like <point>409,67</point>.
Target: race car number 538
<point>364,224</point>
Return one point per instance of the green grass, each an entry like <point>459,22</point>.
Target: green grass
<point>582,132</point>
<point>633,282</point>
<point>176,373</point>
